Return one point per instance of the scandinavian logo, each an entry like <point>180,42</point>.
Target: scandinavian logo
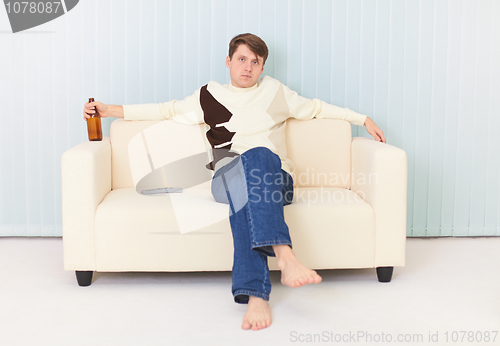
<point>28,14</point>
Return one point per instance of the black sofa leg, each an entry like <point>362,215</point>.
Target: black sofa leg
<point>84,278</point>
<point>384,274</point>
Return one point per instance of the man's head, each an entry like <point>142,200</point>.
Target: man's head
<point>246,59</point>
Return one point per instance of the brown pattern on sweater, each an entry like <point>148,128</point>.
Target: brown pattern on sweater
<point>215,113</point>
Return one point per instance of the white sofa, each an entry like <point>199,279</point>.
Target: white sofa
<point>349,208</point>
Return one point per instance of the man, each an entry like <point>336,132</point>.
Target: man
<point>247,133</point>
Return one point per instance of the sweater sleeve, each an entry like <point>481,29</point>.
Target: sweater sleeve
<point>305,109</point>
<point>187,111</point>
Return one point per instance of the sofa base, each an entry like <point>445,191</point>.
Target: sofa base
<point>384,274</point>
<point>84,278</point>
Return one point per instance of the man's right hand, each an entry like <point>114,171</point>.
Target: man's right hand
<point>103,110</point>
<point>89,110</point>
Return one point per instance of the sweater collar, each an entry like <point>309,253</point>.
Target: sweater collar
<point>242,90</point>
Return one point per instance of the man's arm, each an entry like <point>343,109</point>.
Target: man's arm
<point>187,111</point>
<point>304,109</point>
<point>151,111</point>
<point>103,110</point>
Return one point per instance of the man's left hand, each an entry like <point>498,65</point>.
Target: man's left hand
<point>374,130</point>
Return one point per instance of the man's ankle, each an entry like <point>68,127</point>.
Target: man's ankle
<point>283,251</point>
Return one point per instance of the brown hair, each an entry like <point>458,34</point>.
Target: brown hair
<point>254,43</point>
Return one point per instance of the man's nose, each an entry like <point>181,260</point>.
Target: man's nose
<point>248,66</point>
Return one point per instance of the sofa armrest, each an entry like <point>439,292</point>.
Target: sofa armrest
<point>379,176</point>
<point>86,180</point>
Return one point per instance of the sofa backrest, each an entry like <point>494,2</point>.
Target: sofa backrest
<point>320,149</point>
<point>321,152</point>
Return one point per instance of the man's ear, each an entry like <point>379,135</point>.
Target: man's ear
<point>228,60</point>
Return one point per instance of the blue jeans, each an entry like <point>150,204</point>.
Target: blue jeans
<point>256,189</point>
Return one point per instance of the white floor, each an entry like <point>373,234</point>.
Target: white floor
<point>448,285</point>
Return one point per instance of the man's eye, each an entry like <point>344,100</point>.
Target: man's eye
<point>255,62</point>
<point>241,59</point>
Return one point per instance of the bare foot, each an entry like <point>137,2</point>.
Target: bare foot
<point>293,273</point>
<point>258,315</point>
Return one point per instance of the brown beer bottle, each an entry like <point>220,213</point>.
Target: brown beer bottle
<point>94,125</point>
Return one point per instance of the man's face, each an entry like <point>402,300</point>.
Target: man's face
<point>245,67</point>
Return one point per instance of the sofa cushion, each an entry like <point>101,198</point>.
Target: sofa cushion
<point>321,152</point>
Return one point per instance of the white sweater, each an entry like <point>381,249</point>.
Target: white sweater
<point>243,118</point>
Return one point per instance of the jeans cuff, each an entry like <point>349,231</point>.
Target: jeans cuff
<point>242,296</point>
<point>266,247</point>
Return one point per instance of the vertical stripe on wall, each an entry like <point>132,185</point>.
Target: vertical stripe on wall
<point>426,71</point>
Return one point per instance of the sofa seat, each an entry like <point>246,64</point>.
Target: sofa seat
<point>135,232</point>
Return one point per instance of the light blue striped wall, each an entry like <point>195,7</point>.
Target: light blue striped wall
<point>426,71</point>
